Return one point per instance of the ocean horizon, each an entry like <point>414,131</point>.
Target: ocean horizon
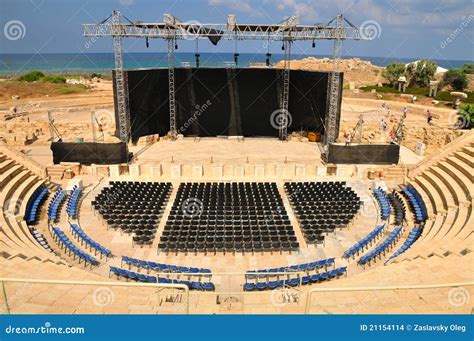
<point>71,63</point>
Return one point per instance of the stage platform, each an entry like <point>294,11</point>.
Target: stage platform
<point>226,159</point>
<point>230,150</point>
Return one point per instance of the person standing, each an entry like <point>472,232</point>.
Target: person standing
<point>348,140</point>
<point>392,137</point>
<point>405,112</point>
<point>429,116</point>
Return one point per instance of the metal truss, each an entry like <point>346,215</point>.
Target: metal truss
<point>173,29</point>
<point>333,107</point>
<point>123,113</point>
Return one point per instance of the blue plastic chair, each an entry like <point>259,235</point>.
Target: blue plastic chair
<point>249,287</point>
<point>208,286</point>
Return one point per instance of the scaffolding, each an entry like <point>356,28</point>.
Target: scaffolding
<point>172,29</point>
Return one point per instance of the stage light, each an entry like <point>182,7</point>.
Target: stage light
<point>147,43</point>
<point>236,58</point>
<point>197,55</point>
<point>267,61</point>
<point>313,44</point>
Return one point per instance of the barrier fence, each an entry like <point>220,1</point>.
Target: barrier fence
<point>100,298</point>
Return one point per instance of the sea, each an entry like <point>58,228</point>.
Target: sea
<point>84,63</point>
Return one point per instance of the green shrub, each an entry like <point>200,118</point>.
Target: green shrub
<point>54,79</point>
<point>421,73</point>
<point>456,78</point>
<point>98,75</point>
<point>393,71</point>
<point>468,69</point>
<point>66,91</point>
<point>466,116</point>
<point>31,76</point>
<point>391,89</point>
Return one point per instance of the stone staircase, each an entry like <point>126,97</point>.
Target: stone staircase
<point>447,189</point>
<point>17,184</point>
<point>56,172</point>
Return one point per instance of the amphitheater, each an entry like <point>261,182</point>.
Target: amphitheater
<point>233,235</point>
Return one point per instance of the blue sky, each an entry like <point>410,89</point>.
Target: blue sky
<point>438,29</point>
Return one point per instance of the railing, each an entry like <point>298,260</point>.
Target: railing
<point>308,294</point>
<point>395,287</point>
<point>27,162</point>
<point>90,283</point>
<point>442,153</point>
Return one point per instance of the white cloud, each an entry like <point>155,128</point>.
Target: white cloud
<point>242,6</point>
<point>304,9</point>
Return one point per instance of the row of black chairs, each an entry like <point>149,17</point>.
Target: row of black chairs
<point>133,207</point>
<point>213,246</point>
<point>321,207</point>
<point>399,208</point>
<point>228,217</point>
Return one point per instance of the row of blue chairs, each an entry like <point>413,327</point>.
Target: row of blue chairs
<point>143,264</point>
<point>63,240</point>
<point>55,204</point>
<point>416,202</point>
<point>72,202</point>
<point>382,248</point>
<point>306,267</point>
<point>366,242</point>
<point>294,282</point>
<point>414,234</point>
<point>383,201</point>
<point>131,275</point>
<point>79,233</point>
<point>34,205</point>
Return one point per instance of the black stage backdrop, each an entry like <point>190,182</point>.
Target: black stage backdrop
<point>225,101</point>
<point>90,152</point>
<point>382,154</point>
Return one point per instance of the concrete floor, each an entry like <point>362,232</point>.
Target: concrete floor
<point>251,150</point>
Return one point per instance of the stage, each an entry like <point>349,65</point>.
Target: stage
<point>252,151</point>
<point>229,150</point>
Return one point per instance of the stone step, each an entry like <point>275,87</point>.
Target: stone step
<point>468,150</point>
<point>430,192</point>
<point>465,158</point>
<point>462,167</point>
